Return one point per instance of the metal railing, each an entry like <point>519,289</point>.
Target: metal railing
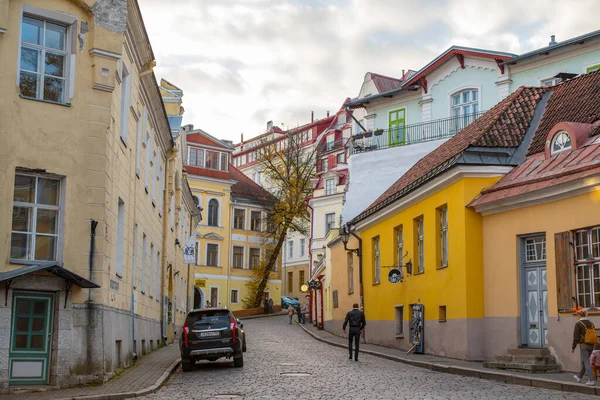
<point>328,146</point>
<point>410,134</point>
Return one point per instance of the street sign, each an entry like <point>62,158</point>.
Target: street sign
<point>200,282</point>
<point>395,275</point>
<point>314,285</point>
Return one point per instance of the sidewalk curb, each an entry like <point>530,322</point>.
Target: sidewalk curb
<point>262,316</point>
<point>127,395</point>
<point>501,376</point>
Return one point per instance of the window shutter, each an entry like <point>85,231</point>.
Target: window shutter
<point>563,261</point>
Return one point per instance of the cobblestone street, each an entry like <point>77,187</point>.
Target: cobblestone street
<point>279,356</point>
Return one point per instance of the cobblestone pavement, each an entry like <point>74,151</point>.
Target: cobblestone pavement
<point>276,349</point>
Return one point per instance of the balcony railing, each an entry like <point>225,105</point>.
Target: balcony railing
<point>328,146</point>
<point>411,134</point>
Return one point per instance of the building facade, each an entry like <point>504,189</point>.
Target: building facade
<point>86,251</point>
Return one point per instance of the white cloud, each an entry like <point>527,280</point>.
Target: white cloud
<point>241,63</point>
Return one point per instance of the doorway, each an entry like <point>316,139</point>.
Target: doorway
<point>534,293</point>
<point>214,296</point>
<point>30,338</point>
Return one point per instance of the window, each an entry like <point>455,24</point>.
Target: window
<point>300,279</point>
<point>154,176</point>
<point>151,271</point>
<point>135,253</point>
<point>376,262</point>
<point>144,263</point>
<point>561,142</point>
<point>592,68</point>
<point>158,276</point>
<point>196,157</point>
<point>340,158</point>
<point>148,154</point>
<point>224,162</point>
<point>120,237</point>
<point>442,314</point>
<point>235,296</point>
<point>330,142</point>
<point>443,216</point>
<point>140,138</point>
<point>535,249</point>
<point>550,81</point>
<point>254,258</point>
<point>290,281</point>
<point>36,217</point>
<point>399,321</point>
<point>350,273</point>
<point>44,60</point>
<point>239,217</point>
<point>124,102</point>
<point>329,186</point>
<point>464,105</point>
<point>399,247</point>
<point>302,247</point>
<point>255,221</point>
<point>212,255</point>
<point>212,159</point>
<point>324,164</point>
<point>291,249</point>
<point>420,238</point>
<point>238,257</point>
<point>341,120</point>
<point>213,212</point>
<point>329,222</point>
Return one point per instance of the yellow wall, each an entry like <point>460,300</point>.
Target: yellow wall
<point>501,247</point>
<point>457,286</point>
<point>340,278</point>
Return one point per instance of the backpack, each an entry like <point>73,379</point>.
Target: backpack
<point>590,337</point>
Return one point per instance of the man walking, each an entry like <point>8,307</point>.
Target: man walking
<point>357,321</point>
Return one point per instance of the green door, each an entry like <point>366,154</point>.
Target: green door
<point>31,330</point>
<point>396,132</point>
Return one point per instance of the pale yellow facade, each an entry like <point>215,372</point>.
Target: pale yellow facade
<point>98,143</point>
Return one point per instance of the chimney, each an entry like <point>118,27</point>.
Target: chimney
<point>552,41</point>
<point>312,117</point>
<point>269,125</point>
<point>327,114</point>
<point>402,74</point>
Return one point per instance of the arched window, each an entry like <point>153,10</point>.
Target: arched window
<point>561,142</point>
<point>213,212</point>
<point>465,102</point>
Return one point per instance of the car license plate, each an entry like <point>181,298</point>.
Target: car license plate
<point>209,334</point>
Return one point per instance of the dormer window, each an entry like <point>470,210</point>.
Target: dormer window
<point>561,142</point>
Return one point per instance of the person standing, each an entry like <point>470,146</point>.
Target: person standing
<point>584,335</point>
<point>290,313</point>
<point>356,319</point>
<point>595,361</point>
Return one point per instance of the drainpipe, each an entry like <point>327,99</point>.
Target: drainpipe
<point>310,261</point>
<point>322,326</point>
<point>360,274</point>
<point>93,226</point>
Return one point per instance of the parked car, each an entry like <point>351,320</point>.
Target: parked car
<point>287,301</point>
<point>211,334</point>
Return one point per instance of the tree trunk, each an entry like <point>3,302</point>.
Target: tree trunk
<point>258,297</point>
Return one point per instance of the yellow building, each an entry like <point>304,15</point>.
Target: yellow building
<point>230,241</point>
<point>422,229</point>
<point>86,252</point>
<point>541,232</point>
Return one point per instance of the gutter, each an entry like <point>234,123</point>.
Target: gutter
<point>359,103</point>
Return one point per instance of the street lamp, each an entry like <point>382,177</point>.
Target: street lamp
<point>345,234</point>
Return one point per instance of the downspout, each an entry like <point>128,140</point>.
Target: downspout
<point>229,251</point>
<point>284,277</point>
<point>310,261</point>
<point>89,328</point>
<point>322,326</point>
<point>164,262</point>
<point>361,305</point>
<point>94,224</point>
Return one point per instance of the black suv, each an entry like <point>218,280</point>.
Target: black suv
<point>210,334</point>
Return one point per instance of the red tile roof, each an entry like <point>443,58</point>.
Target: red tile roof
<point>539,172</point>
<point>385,83</point>
<point>575,100</point>
<point>504,125</point>
<point>246,188</point>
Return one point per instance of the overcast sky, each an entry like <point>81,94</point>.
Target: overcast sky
<point>243,63</point>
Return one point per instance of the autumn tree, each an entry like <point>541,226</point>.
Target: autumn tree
<point>287,167</point>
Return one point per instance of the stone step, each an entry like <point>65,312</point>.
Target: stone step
<point>528,359</point>
<point>522,351</point>
<point>522,367</point>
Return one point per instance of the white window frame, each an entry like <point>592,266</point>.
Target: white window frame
<point>558,134</point>
<point>35,207</point>
<point>302,247</point>
<point>421,245</point>
<point>125,98</point>
<point>218,254</point>
<point>460,106</point>
<point>329,226</point>
<point>243,264</point>
<point>325,164</point>
<point>218,211</point>
<point>70,21</point>
<point>149,143</point>
<point>343,160</point>
<point>120,237</point>
<point>290,249</point>
<point>376,260</point>
<point>144,250</point>
<point>551,80</point>
<point>158,276</point>
<point>329,186</point>
<point>250,266</point>
<point>151,272</point>
<point>399,322</point>
<point>135,254</point>
<point>329,142</point>
<point>444,236</point>
<point>243,228</point>
<point>258,226</point>
<point>531,249</point>
<point>140,141</point>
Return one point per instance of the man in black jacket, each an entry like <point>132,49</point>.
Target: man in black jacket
<point>357,321</point>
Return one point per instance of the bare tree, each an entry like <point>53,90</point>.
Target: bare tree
<point>287,167</point>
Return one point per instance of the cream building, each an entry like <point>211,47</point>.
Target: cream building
<point>89,268</point>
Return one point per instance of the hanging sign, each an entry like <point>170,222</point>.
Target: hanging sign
<point>395,275</point>
<point>200,283</point>
<point>304,288</point>
<point>189,250</point>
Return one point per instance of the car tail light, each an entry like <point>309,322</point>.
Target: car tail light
<point>186,332</point>
<point>233,326</point>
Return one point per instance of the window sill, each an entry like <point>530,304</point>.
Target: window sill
<point>376,283</point>
<point>400,336</point>
<point>442,267</point>
<point>123,141</point>
<point>45,101</point>
<point>120,276</point>
<point>32,262</point>
<point>146,189</point>
<point>153,204</point>
<point>418,273</point>
<point>441,320</point>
